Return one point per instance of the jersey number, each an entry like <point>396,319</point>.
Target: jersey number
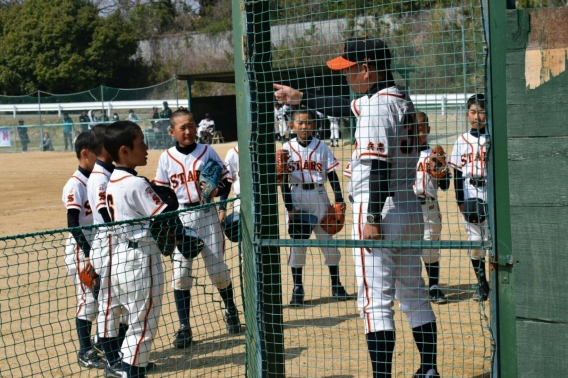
<point>110,204</point>
<point>409,138</point>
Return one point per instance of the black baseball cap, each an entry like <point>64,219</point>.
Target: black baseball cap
<point>362,50</point>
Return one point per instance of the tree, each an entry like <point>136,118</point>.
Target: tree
<point>63,46</point>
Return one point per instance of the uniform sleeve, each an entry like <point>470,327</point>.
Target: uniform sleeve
<point>420,184</point>
<point>162,177</point>
<point>144,199</point>
<point>371,132</point>
<point>330,160</point>
<point>232,164</point>
<point>455,157</point>
<point>73,196</point>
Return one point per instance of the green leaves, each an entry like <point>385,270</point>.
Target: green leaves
<point>64,46</point>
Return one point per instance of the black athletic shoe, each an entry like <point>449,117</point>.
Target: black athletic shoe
<point>184,337</point>
<point>297,296</point>
<point>340,293</point>
<point>232,321</point>
<point>150,367</point>
<point>437,296</point>
<point>114,371</point>
<point>91,360</point>
<point>483,294</point>
<point>431,373</point>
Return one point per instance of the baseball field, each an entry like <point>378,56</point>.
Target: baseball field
<point>324,338</point>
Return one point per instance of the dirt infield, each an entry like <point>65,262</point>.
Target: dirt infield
<point>322,339</point>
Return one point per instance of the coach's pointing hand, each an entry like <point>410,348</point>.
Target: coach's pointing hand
<point>287,95</point>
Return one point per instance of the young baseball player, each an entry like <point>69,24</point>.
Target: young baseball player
<point>334,131</point>
<point>179,168</point>
<point>78,247</point>
<point>281,116</point>
<point>232,164</point>
<point>383,172</point>
<point>426,189</point>
<point>101,255</point>
<point>311,164</point>
<point>468,159</point>
<point>137,276</point>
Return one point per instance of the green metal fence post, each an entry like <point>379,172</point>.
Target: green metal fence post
<point>502,277</point>
<point>263,288</point>
<point>189,83</point>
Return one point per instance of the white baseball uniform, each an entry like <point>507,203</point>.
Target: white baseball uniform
<point>205,125</point>
<point>232,164</point>
<point>384,274</point>
<point>137,272</point>
<point>75,197</point>
<point>333,127</point>
<point>101,254</point>
<point>180,172</point>
<point>281,116</point>
<point>426,189</point>
<point>469,156</point>
<point>308,168</point>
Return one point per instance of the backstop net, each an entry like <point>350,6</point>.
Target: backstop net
<point>324,294</point>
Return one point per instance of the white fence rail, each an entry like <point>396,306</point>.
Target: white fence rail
<point>442,102</point>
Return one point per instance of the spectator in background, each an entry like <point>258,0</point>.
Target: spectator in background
<point>23,133</point>
<point>46,144</point>
<point>155,115</point>
<point>67,131</point>
<point>115,117</point>
<point>206,124</point>
<point>84,121</point>
<point>133,117</point>
<point>167,112</point>
<point>103,117</point>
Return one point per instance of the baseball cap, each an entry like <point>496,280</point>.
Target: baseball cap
<point>362,50</point>
<point>207,115</point>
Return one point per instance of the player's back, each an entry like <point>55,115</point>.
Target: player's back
<point>96,189</point>
<point>75,197</point>
<point>131,197</point>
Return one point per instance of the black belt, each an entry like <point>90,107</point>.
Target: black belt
<point>477,182</point>
<point>132,244</point>
<point>309,186</point>
<point>188,205</point>
<point>427,199</point>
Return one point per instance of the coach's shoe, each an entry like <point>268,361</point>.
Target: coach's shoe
<point>297,296</point>
<point>437,296</point>
<point>340,293</point>
<point>432,373</point>
<point>483,293</point>
<point>114,371</point>
<point>91,360</point>
<point>233,322</point>
<point>150,367</point>
<point>184,337</point>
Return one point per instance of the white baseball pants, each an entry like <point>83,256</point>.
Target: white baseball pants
<point>386,274</point>
<point>75,262</point>
<point>476,232</point>
<point>432,230</point>
<point>334,130</point>
<point>205,223</point>
<point>317,203</point>
<point>137,279</point>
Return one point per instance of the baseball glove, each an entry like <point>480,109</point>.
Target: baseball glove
<point>436,166</point>
<point>164,237</point>
<point>282,157</point>
<point>334,220</point>
<point>88,279</point>
<point>167,195</point>
<point>209,178</point>
<point>191,244</point>
<point>301,225</point>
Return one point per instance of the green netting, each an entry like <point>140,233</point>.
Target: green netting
<point>38,305</point>
<point>439,60</point>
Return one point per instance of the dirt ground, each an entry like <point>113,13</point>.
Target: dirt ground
<point>324,338</point>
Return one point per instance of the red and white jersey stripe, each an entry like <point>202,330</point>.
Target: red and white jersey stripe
<point>181,172</point>
<point>310,164</point>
